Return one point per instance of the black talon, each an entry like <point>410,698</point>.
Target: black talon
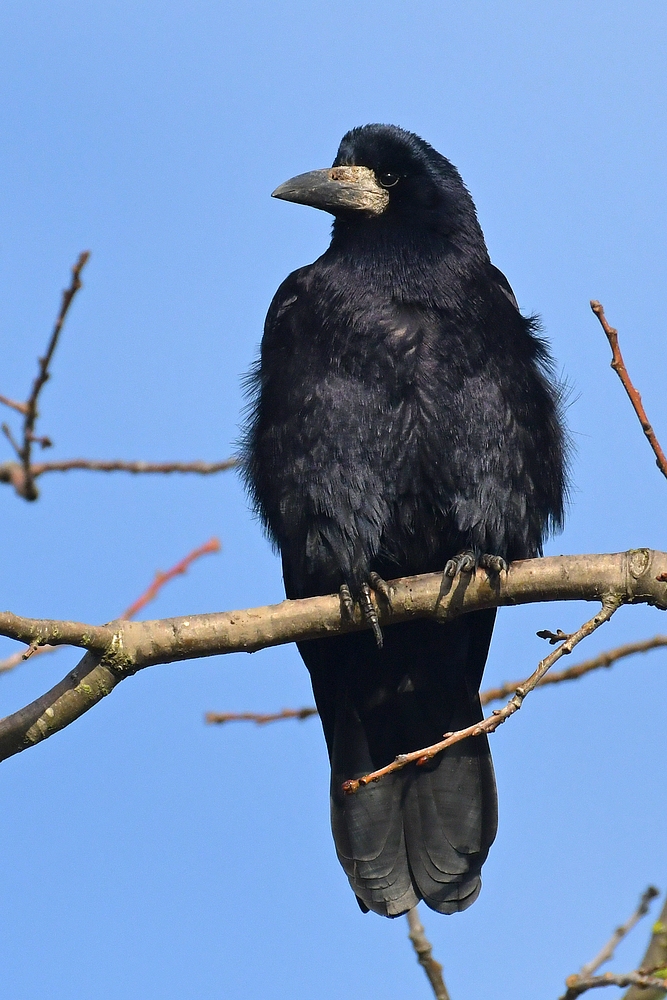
<point>370,614</point>
<point>494,564</point>
<point>381,587</point>
<point>346,603</point>
<point>465,562</point>
<point>462,562</point>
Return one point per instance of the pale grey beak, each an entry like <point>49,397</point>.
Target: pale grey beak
<point>336,189</point>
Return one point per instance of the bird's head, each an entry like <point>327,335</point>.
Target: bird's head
<point>384,176</point>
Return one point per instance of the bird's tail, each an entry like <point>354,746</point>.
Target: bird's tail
<point>422,832</point>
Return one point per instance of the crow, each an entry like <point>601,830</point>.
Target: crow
<point>405,418</point>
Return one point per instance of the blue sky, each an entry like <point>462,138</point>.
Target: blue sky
<point>144,853</point>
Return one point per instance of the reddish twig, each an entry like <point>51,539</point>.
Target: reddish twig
<point>618,365</point>
<point>261,719</point>
<point>606,659</point>
<point>424,952</point>
<point>499,715</point>
<point>213,545</point>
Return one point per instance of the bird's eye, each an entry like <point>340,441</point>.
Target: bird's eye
<point>388,180</point>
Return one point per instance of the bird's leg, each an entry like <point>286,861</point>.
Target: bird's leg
<point>465,562</point>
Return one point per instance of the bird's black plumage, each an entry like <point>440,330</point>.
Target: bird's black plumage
<point>403,411</point>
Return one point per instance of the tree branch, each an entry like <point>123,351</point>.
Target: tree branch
<point>424,952</point>
<point>637,980</point>
<point>618,365</point>
<point>120,649</point>
<point>21,475</point>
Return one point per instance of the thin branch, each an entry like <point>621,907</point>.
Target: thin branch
<point>120,649</point>
<point>19,407</point>
<point>14,473</point>
<point>31,412</point>
<point>618,365</point>
<point>424,952</point>
<point>634,979</point>
<point>605,659</point>
<point>610,605</point>
<point>260,718</point>
<point>607,953</point>
<point>654,962</point>
<point>213,545</point>
<point>208,548</point>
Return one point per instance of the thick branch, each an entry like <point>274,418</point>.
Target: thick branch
<point>122,648</point>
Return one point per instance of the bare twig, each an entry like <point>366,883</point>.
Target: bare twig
<point>213,545</point>
<point>120,649</point>
<point>635,979</point>
<point>618,365</point>
<point>29,409</point>
<point>610,605</point>
<point>19,407</point>
<point>260,718</point>
<point>208,548</point>
<point>424,951</point>
<point>14,473</point>
<point>607,952</point>
<point>23,473</point>
<point>605,659</point>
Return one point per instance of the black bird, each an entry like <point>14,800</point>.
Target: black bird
<point>405,418</point>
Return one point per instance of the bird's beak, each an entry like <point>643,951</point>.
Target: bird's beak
<point>336,189</point>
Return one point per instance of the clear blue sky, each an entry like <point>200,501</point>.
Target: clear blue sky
<point>144,854</point>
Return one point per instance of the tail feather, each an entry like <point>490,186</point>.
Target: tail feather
<point>421,832</point>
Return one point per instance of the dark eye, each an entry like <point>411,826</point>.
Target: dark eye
<point>388,180</point>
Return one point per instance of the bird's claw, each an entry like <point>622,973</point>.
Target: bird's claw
<point>368,609</point>
<point>462,562</point>
<point>370,614</point>
<point>465,562</point>
<point>346,603</point>
<point>493,564</point>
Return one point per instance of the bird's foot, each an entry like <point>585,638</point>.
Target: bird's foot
<point>368,609</point>
<point>493,564</point>
<point>465,562</point>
